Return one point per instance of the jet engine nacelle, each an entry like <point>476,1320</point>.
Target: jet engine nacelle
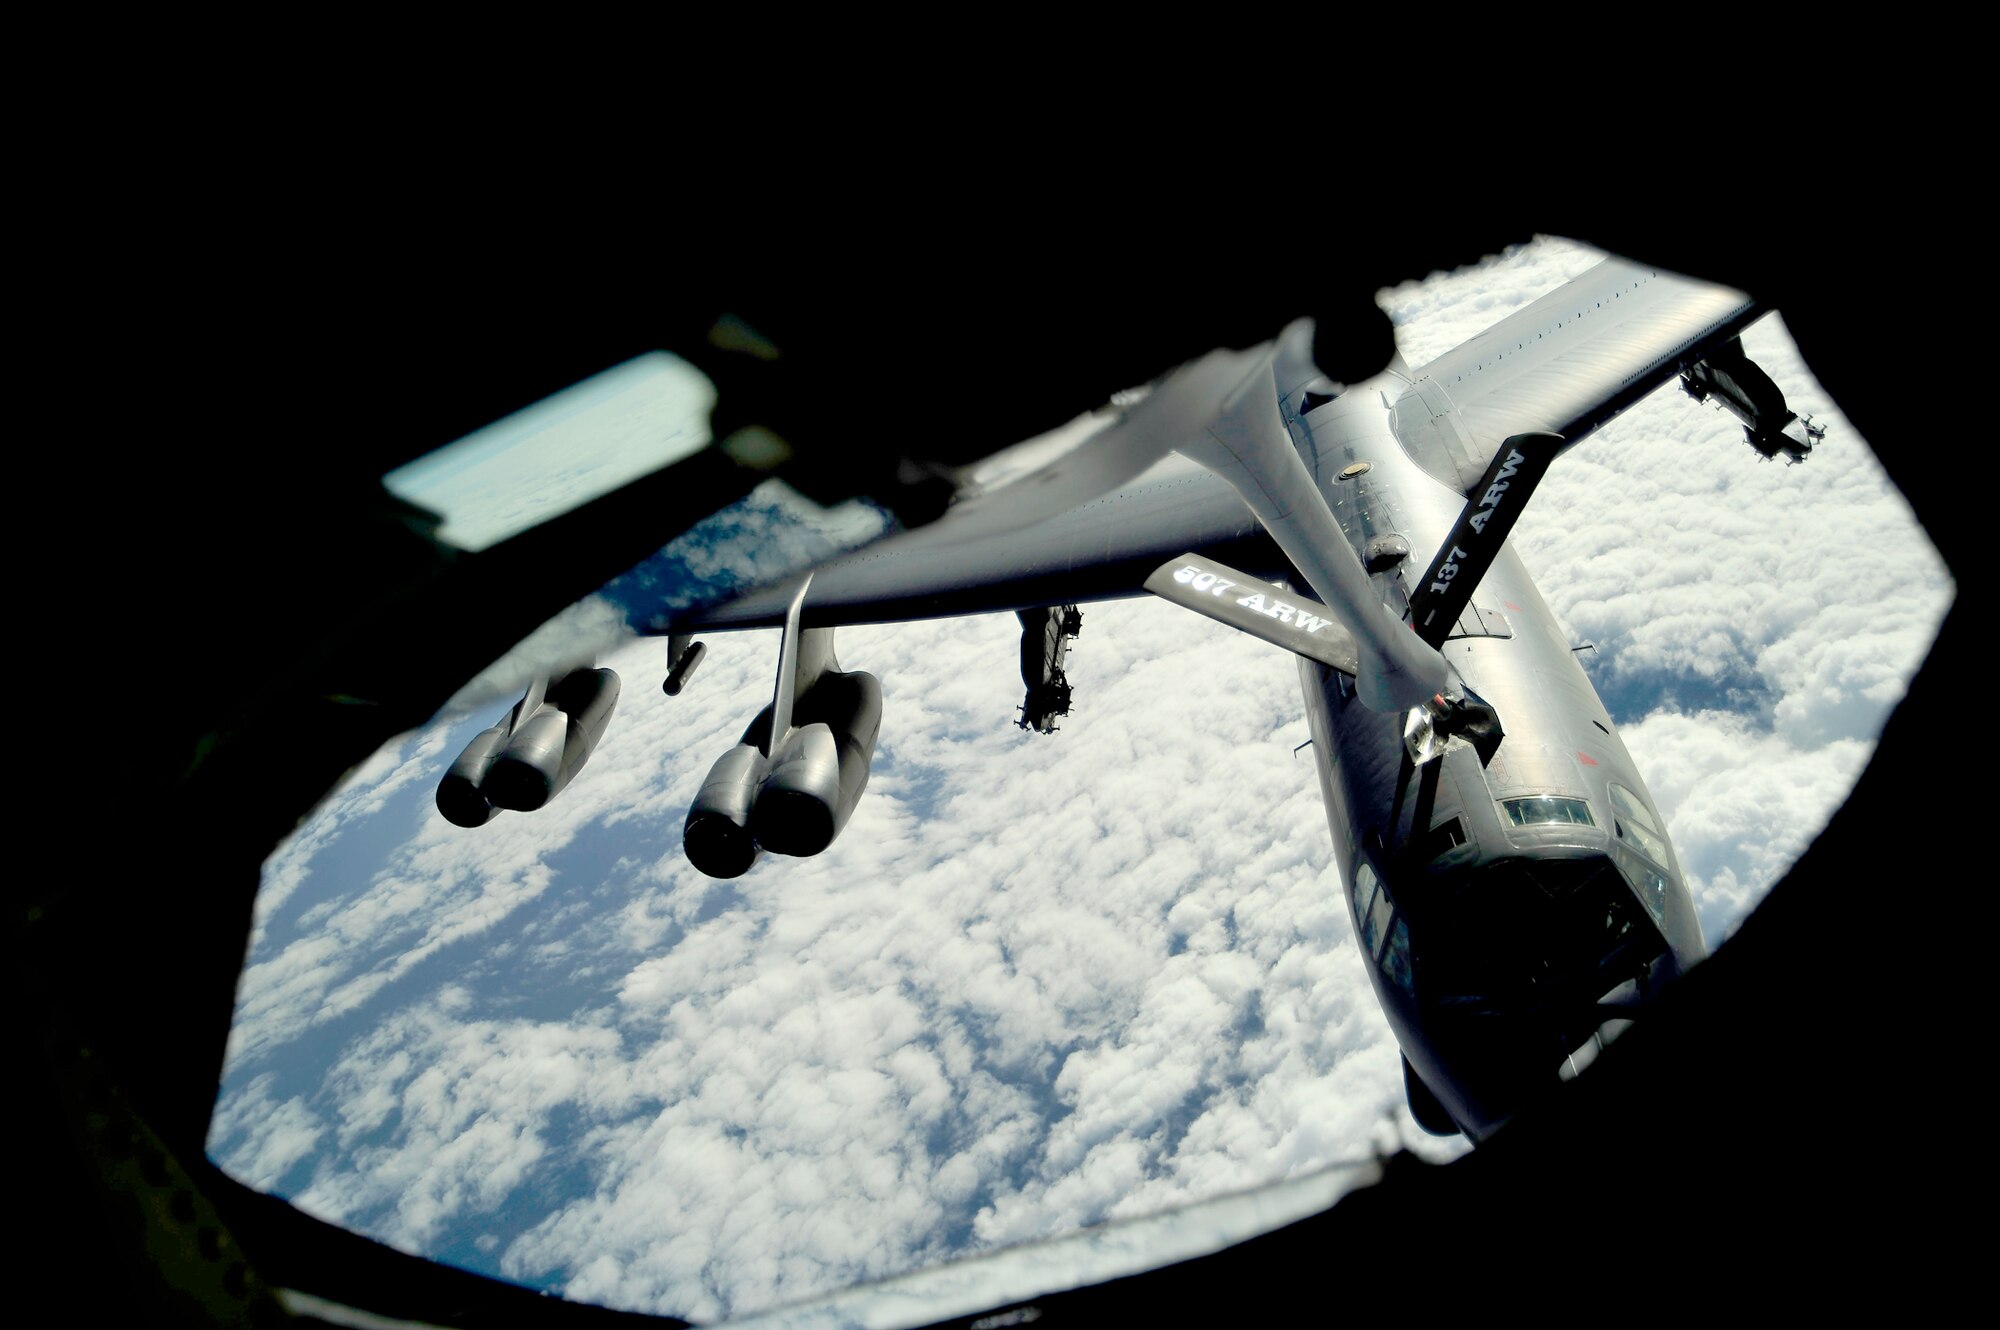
<point>524,762</point>
<point>458,796</point>
<point>717,836</point>
<point>796,800</point>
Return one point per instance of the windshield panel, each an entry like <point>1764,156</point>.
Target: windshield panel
<point>1547,808</point>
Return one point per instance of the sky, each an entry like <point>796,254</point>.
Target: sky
<point>1041,981</point>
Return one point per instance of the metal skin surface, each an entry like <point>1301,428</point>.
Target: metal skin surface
<point>1485,1041</point>
<point>686,659</point>
<point>822,768</point>
<point>137,986</point>
<point>793,780</point>
<point>716,836</point>
<point>532,756</point>
<point>1245,444</point>
<point>1103,547</point>
<point>1504,948</point>
<point>1283,618</point>
<point>1567,363</point>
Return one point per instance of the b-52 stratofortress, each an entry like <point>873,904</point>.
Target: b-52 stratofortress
<point>1512,885</point>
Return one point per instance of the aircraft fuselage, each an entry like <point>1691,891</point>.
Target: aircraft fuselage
<point>1507,910</point>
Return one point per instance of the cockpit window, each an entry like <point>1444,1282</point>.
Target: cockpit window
<point>1646,880</point>
<point>1629,804</point>
<point>1444,836</point>
<point>1365,895</point>
<point>1636,826</point>
<point>1377,921</point>
<point>1547,808</point>
<point>1396,960</point>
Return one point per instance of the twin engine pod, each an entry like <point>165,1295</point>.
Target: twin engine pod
<point>797,799</point>
<point>527,759</point>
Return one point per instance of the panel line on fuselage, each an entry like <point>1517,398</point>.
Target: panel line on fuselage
<point>1545,880</point>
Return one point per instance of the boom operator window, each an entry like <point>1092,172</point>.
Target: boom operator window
<point>1373,912</point>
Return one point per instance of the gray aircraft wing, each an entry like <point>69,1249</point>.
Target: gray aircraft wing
<point>1101,549</point>
<point>1565,364</point>
<point>1084,512</point>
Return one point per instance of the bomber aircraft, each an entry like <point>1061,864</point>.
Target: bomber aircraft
<point>1735,1109</point>
<point>1512,885</point>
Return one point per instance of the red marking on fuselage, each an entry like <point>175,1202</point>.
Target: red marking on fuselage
<point>1585,758</point>
<point>1511,605</point>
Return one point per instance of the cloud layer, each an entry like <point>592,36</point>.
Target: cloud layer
<point>1040,981</point>
<point>1754,622</point>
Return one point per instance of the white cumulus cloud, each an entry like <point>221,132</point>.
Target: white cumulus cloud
<point>1040,981</point>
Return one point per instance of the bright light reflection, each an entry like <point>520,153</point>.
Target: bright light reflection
<point>565,450</point>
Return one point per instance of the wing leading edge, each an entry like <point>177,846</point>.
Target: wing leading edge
<point>1099,550</point>
<point>1566,364</point>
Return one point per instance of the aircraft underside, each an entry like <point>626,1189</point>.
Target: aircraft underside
<point>1512,886</point>
<point>1506,919</point>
